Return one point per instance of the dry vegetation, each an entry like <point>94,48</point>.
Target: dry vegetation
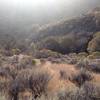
<point>37,71</point>
<point>24,78</point>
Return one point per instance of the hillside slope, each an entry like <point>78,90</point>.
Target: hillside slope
<point>86,23</point>
<point>70,35</point>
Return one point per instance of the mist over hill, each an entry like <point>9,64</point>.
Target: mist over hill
<point>61,26</point>
<point>72,35</point>
<point>20,16</point>
<point>49,49</point>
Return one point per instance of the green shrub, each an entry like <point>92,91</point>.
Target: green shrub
<point>67,94</point>
<point>15,51</point>
<point>33,62</point>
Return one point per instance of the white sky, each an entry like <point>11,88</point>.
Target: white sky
<point>37,3</point>
<point>42,9</point>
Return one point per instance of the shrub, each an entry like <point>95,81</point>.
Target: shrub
<point>94,66</point>
<point>67,94</point>
<point>49,97</point>
<point>13,90</point>
<point>12,71</point>
<point>88,91</point>
<point>38,83</point>
<point>90,57</point>
<point>94,43</point>
<point>18,85</point>
<point>25,95</point>
<point>64,75</point>
<point>0,62</point>
<point>94,55</point>
<point>15,51</point>
<point>27,79</point>
<point>7,41</point>
<point>73,61</point>
<point>45,53</point>
<point>50,43</point>
<point>82,63</point>
<point>82,54</point>
<point>73,58</point>
<point>5,78</point>
<point>24,62</point>
<point>33,62</point>
<point>97,54</point>
<point>36,62</point>
<point>82,77</point>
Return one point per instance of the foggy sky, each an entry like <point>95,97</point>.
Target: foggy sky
<point>19,14</point>
<point>45,9</point>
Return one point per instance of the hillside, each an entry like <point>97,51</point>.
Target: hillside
<point>19,18</point>
<point>66,36</point>
<point>86,23</point>
<point>60,62</point>
<point>80,29</point>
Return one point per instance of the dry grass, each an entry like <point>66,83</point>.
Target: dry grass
<point>45,80</point>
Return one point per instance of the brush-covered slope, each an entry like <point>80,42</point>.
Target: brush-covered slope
<point>70,35</point>
<point>85,23</point>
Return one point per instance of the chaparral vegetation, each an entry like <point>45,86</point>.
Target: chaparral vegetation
<point>60,62</point>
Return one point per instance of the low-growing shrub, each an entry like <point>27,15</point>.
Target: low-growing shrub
<point>64,75</point>
<point>45,53</point>
<point>82,63</point>
<point>19,84</point>
<point>25,95</point>
<point>95,67</point>
<point>82,54</point>
<point>82,77</point>
<point>67,94</point>
<point>94,55</point>
<point>33,62</point>
<point>38,83</point>
<point>88,91</point>
<point>5,79</point>
<point>94,44</point>
<point>16,51</point>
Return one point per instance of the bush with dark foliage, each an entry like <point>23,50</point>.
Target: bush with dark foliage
<point>82,77</point>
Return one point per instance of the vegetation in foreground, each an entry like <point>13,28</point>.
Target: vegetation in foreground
<point>24,78</point>
<point>63,67</point>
